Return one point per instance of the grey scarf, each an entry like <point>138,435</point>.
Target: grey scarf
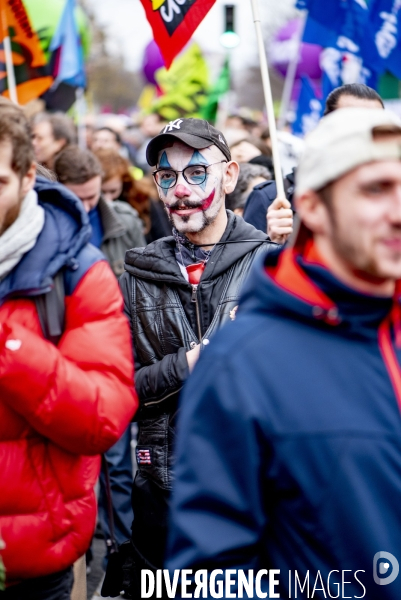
<point>21,236</point>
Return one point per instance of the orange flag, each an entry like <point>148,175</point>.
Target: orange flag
<point>29,61</point>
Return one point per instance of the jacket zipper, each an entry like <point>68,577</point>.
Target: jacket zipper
<point>390,359</point>
<point>195,299</point>
<point>161,399</point>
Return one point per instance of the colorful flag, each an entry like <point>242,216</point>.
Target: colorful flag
<point>184,86</point>
<point>45,18</point>
<point>173,22</point>
<point>309,111</point>
<point>29,61</point>
<point>66,43</point>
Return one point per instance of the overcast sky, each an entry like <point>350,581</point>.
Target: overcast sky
<point>129,32</point>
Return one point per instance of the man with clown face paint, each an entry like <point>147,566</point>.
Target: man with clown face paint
<point>194,203</point>
<point>178,291</point>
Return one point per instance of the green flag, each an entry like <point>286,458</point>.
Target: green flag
<point>220,87</point>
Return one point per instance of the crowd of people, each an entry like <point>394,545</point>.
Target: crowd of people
<point>154,276</point>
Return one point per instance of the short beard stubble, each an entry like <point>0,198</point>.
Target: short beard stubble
<point>11,216</point>
<point>184,223</point>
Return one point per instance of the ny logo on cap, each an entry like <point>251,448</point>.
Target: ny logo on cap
<point>173,125</point>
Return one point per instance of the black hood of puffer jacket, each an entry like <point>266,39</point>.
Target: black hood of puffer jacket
<point>157,261</point>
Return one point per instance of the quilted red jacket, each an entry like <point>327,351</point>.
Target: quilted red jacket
<point>60,407</point>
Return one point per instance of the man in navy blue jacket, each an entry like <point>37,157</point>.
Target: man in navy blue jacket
<point>289,444</point>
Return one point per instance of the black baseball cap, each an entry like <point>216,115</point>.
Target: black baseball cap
<point>196,133</point>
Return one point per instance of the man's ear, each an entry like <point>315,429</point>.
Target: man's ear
<point>230,177</point>
<point>312,212</point>
<point>28,181</point>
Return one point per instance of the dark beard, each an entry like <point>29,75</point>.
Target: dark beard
<point>185,218</point>
<point>10,217</point>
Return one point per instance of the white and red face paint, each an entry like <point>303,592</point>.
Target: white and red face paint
<point>191,208</point>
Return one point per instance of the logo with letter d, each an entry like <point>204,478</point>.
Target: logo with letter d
<point>382,561</point>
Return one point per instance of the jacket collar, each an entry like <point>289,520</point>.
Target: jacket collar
<point>157,260</point>
<point>298,284</point>
<point>291,277</point>
<point>65,232</point>
<point>113,227</point>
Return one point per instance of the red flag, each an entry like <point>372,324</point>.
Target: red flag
<point>173,22</point>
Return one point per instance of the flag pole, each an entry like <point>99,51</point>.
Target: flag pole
<point>290,76</point>
<point>268,100</point>
<point>12,87</point>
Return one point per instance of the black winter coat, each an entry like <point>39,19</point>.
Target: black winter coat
<point>168,317</point>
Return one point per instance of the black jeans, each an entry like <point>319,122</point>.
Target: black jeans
<point>56,586</point>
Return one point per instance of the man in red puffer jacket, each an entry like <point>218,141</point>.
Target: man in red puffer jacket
<point>63,404</point>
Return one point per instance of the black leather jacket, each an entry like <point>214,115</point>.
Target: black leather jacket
<point>168,317</point>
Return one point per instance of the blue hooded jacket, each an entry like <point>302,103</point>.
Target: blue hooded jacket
<point>289,439</point>
<point>63,242</point>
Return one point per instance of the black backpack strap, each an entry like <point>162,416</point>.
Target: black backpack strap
<point>51,310</point>
<point>111,542</point>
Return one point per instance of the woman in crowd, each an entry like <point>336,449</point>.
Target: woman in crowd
<point>119,184</point>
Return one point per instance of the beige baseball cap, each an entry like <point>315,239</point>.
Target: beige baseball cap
<point>344,140</point>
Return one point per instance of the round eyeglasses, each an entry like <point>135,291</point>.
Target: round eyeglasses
<point>193,174</point>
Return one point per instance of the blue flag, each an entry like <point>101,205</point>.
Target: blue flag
<point>309,110</point>
<point>374,27</point>
<point>382,46</point>
<point>66,43</point>
<point>316,33</point>
<point>334,14</point>
<point>342,60</point>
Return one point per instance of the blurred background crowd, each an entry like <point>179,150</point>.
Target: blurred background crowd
<point>114,93</point>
